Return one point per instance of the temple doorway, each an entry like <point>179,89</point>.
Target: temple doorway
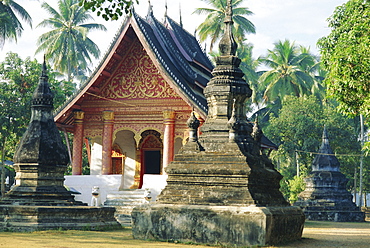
<point>151,153</point>
<point>152,161</point>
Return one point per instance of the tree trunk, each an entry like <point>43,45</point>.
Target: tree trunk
<point>2,181</point>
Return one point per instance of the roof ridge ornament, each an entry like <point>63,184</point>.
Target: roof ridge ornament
<point>180,15</point>
<point>150,10</point>
<point>227,43</point>
<point>165,7</point>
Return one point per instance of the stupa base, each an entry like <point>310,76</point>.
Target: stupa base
<point>335,215</point>
<point>33,218</point>
<point>218,225</point>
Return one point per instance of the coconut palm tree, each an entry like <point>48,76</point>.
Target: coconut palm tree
<point>10,26</point>
<point>212,27</point>
<point>291,71</point>
<point>67,46</point>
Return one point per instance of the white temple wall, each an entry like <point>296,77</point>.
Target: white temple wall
<point>85,183</point>
<point>125,139</point>
<point>96,156</point>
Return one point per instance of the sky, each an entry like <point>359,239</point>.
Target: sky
<point>301,21</point>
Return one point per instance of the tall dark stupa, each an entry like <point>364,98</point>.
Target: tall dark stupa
<point>221,189</point>
<point>326,197</point>
<point>39,199</point>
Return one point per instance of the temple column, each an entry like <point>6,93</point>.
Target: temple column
<point>78,134</point>
<point>108,118</point>
<point>137,176</point>
<point>168,137</point>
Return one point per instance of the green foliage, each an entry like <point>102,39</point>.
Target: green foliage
<point>213,26</point>
<point>292,72</point>
<point>10,26</point>
<point>18,79</point>
<point>67,45</point>
<point>345,55</point>
<point>108,9</point>
<point>296,186</point>
<point>299,126</point>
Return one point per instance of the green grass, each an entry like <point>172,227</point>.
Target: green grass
<point>316,234</point>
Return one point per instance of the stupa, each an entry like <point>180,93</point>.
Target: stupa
<point>39,199</point>
<point>221,188</point>
<point>326,197</point>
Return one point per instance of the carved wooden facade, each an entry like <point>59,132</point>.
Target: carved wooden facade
<point>133,109</point>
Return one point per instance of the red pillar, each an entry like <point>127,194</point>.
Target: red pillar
<point>108,118</point>
<point>77,142</point>
<point>168,137</point>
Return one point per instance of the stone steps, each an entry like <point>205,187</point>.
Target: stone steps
<point>124,201</point>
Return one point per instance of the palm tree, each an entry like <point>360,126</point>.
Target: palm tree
<point>291,72</point>
<point>10,27</point>
<point>67,45</point>
<point>212,27</point>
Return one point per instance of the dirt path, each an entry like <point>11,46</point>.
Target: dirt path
<point>333,234</point>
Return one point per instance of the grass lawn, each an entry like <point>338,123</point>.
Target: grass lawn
<point>316,234</point>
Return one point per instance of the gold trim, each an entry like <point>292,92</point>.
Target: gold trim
<point>78,115</point>
<point>169,114</point>
<point>108,115</point>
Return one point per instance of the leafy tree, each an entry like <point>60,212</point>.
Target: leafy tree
<point>108,9</point>
<point>345,55</point>
<point>18,79</point>
<point>296,186</point>
<point>10,26</point>
<point>213,26</point>
<point>292,71</point>
<point>298,129</point>
<point>67,45</point>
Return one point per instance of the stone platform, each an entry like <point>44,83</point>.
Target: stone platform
<point>218,225</point>
<point>34,218</point>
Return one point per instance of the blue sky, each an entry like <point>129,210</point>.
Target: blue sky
<point>302,21</point>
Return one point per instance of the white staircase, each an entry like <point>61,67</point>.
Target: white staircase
<point>124,201</point>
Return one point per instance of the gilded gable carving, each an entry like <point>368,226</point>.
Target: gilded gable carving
<point>137,78</point>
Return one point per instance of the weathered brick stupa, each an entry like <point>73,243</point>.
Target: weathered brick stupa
<point>221,189</point>
<point>326,197</point>
<point>39,200</point>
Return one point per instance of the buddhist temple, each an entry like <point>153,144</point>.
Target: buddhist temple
<point>131,114</point>
<point>132,111</point>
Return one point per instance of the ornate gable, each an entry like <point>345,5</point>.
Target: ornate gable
<point>137,78</point>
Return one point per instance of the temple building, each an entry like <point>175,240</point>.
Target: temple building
<point>131,114</point>
<point>132,111</point>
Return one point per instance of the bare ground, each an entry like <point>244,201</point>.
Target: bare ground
<point>315,234</point>
<point>333,234</point>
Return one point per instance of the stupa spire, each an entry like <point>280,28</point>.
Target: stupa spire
<point>226,94</point>
<point>42,130</point>
<point>325,160</point>
<point>42,96</point>
<point>227,44</point>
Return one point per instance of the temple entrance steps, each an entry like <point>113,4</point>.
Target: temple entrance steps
<point>124,201</point>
